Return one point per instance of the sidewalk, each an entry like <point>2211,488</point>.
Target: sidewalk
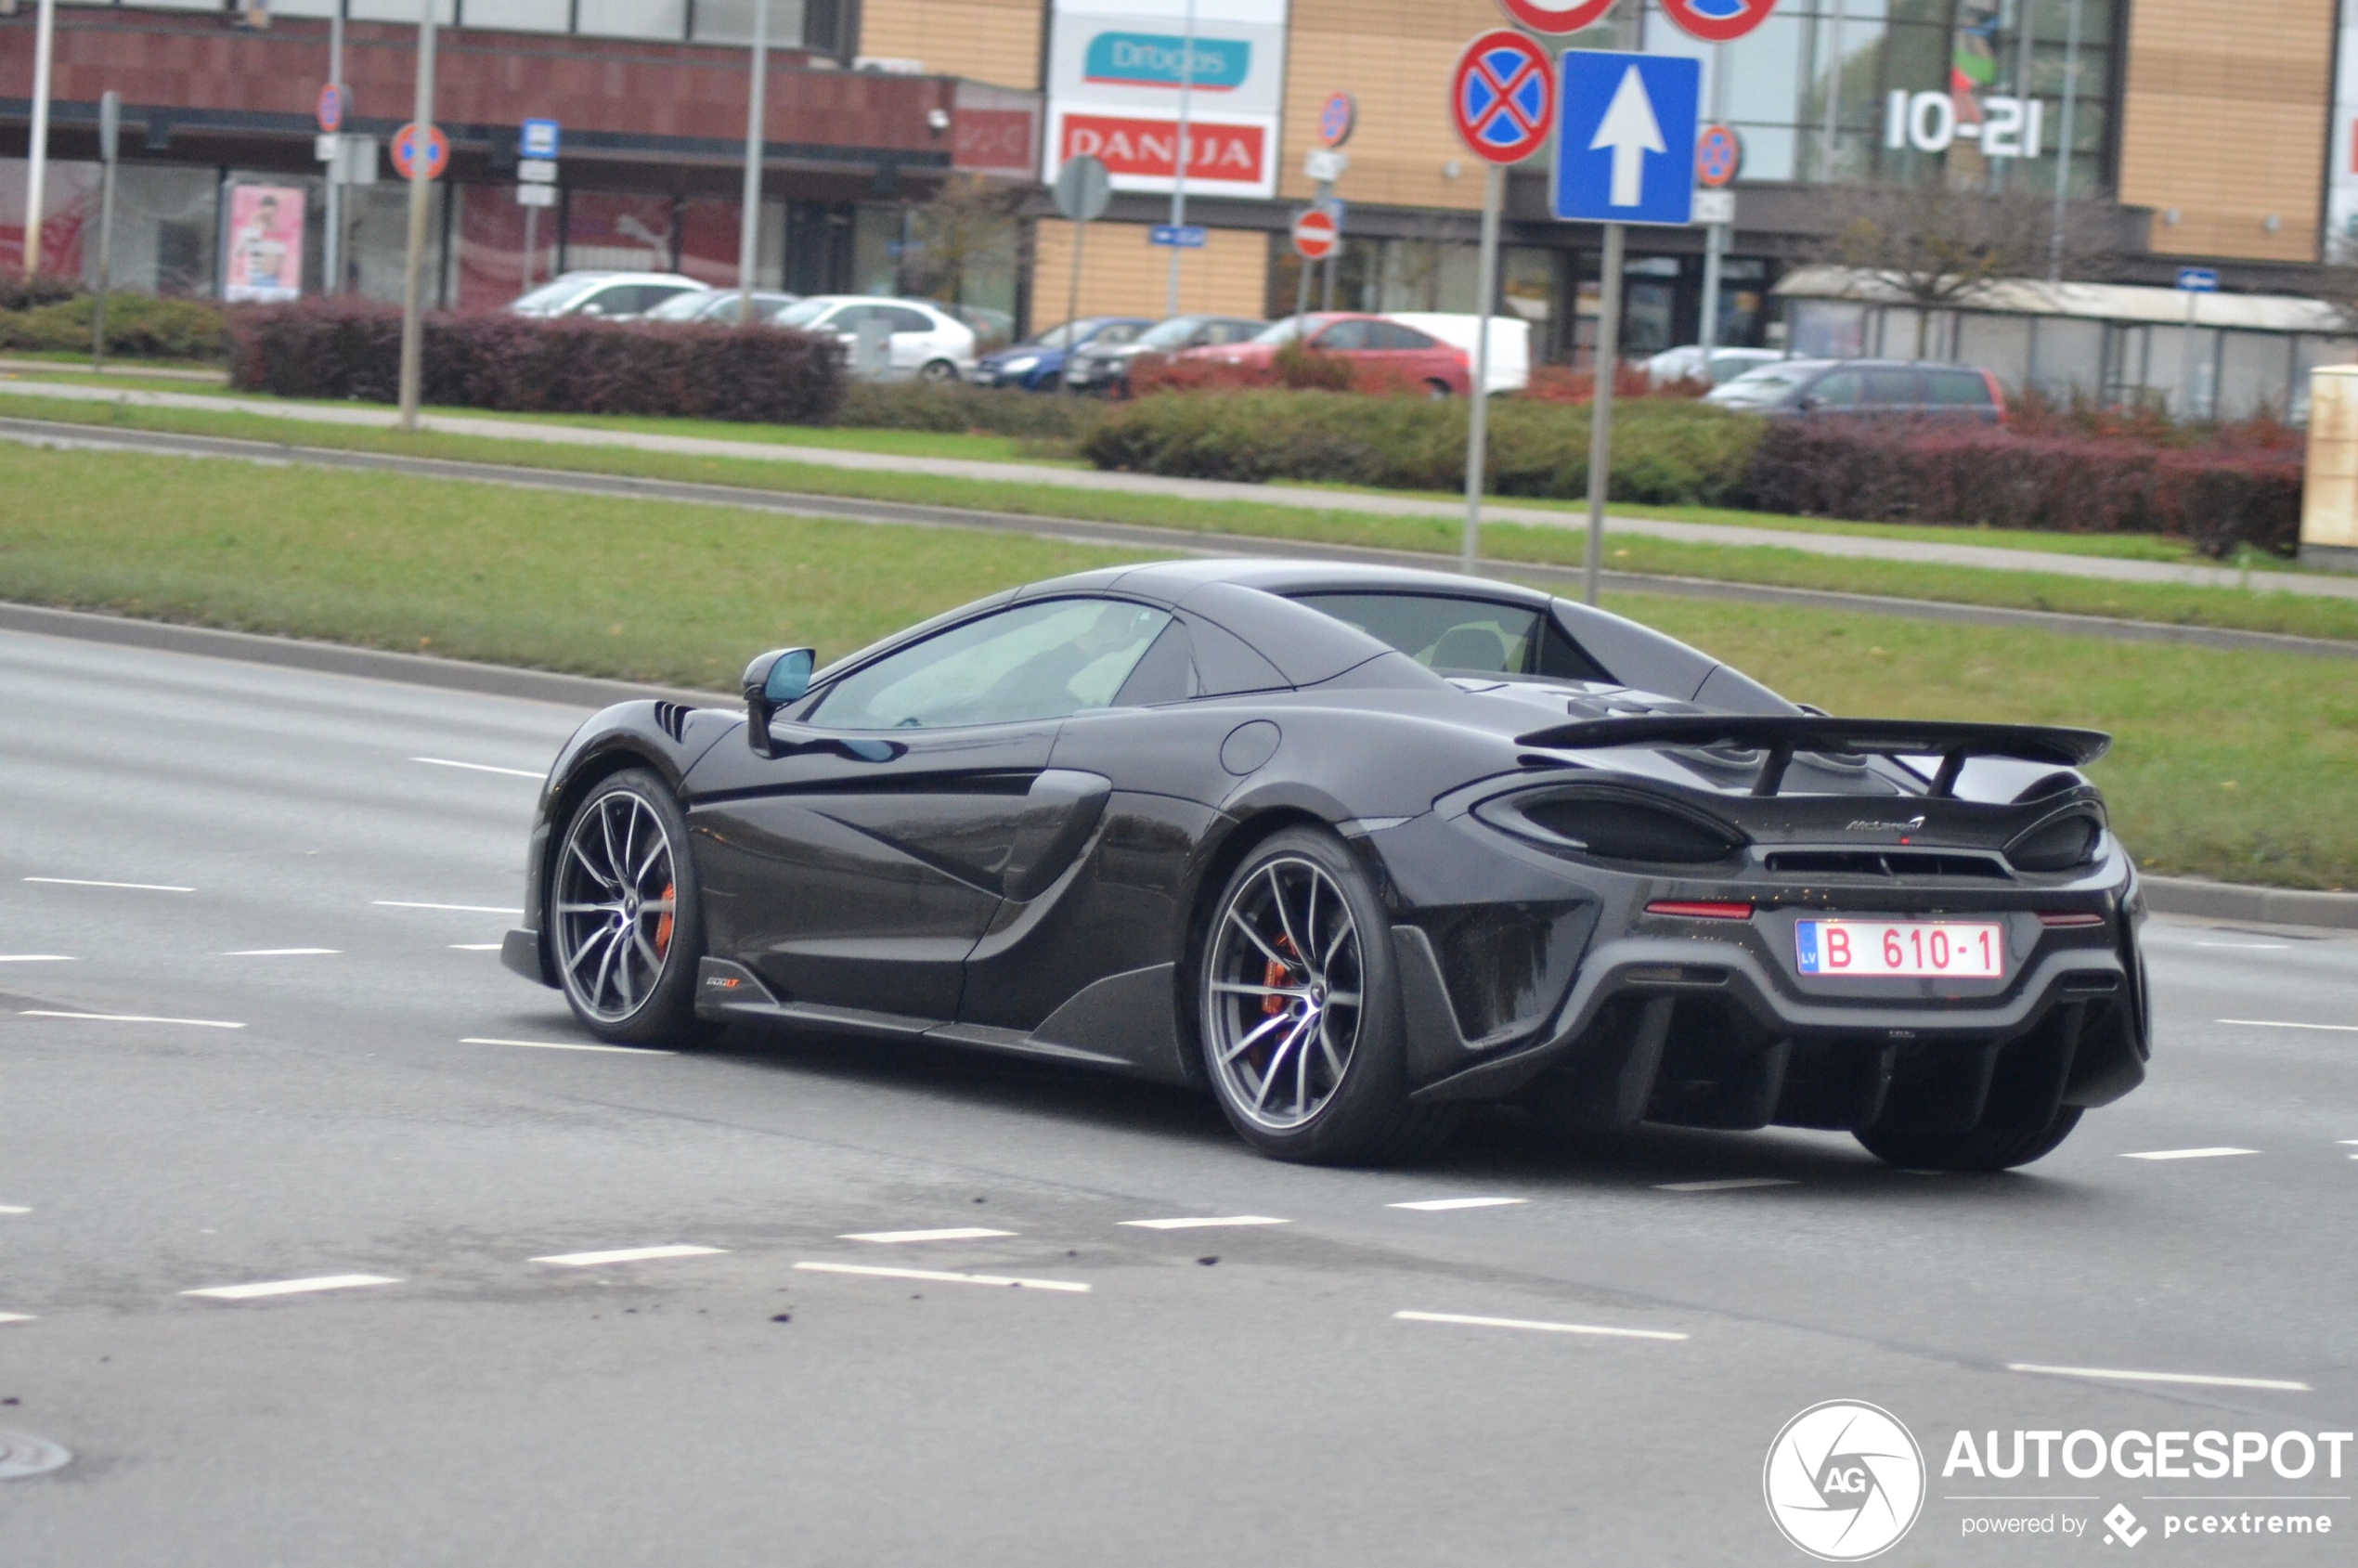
<point>1037,475</point>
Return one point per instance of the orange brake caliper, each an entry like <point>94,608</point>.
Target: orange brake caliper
<point>1276,974</point>
<point>663,923</point>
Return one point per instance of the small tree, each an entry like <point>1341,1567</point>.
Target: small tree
<point>970,221</point>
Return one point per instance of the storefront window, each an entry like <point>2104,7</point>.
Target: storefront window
<point>731,21</point>
<point>635,18</point>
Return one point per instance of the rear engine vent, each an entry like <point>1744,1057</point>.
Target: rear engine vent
<point>1884,862</point>
<point>1626,830</point>
<point>2056,846</point>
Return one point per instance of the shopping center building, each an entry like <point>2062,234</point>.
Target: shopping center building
<point>2183,132</point>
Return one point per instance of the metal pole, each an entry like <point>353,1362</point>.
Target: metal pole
<point>1833,89</point>
<point>1073,295</point>
<point>1715,235</point>
<point>1305,267</point>
<point>421,190</point>
<point>2186,366</point>
<point>109,145</point>
<point>1600,409</point>
<point>331,257</point>
<point>1179,159</point>
<point>2024,24</point>
<point>531,244</point>
<point>757,141</point>
<point>44,45</point>
<point>2063,148</point>
<point>1493,197</point>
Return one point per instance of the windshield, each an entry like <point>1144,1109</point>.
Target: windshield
<point>1172,334</point>
<point>1453,636</point>
<point>1770,383</point>
<point>802,313</point>
<point>1287,331</point>
<point>683,307</point>
<point>558,294</point>
<point>1064,336</point>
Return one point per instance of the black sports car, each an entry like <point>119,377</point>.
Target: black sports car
<point>1353,847</point>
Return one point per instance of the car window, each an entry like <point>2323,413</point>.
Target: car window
<point>1454,636</point>
<point>900,318</point>
<point>1119,332</point>
<point>1342,337</point>
<point>1890,389</point>
<point>1391,335</point>
<point>1839,390</point>
<point>1284,332</point>
<point>1755,388</point>
<point>1958,388</point>
<point>555,294</point>
<point>1232,332</point>
<point>685,306</point>
<point>803,312</point>
<point>1035,661</point>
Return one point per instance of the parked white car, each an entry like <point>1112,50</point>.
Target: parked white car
<point>1509,369</point>
<point>1685,363</point>
<point>888,339</point>
<point>617,296</point>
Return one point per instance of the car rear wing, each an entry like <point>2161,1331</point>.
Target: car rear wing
<point>1779,737</point>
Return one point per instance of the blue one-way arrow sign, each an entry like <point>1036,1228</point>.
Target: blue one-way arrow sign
<point>1625,137</point>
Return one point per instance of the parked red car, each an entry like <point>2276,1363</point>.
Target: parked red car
<point>1381,346</point>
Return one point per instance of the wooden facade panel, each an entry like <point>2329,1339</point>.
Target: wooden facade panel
<point>1122,275</point>
<point>1395,57</point>
<point>993,41</point>
<point>2224,119</point>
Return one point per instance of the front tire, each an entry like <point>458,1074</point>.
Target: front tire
<point>1978,1149</point>
<point>1299,1010</point>
<point>939,372</point>
<point>626,922</point>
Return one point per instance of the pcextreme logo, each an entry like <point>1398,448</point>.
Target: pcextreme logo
<point>1844,1481</point>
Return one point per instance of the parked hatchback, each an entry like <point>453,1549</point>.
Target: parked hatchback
<point>1100,366</point>
<point>888,339</point>
<point>1888,388</point>
<point>1038,365</point>
<point>717,307</point>
<point>1386,347</point>
<point>617,296</point>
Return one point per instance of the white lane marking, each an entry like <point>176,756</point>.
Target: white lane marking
<point>1440,1205</point>
<point>474,947</point>
<point>2274,1023</point>
<point>35,958</point>
<point>14,1209</point>
<point>1206,1223</point>
<point>628,1255</point>
<point>2248,947</point>
<point>463,909</point>
<point>1538,1327</point>
<point>1006,1282</point>
<point>2188,1153</point>
<point>957,1233</point>
<point>128,1019</point>
<point>480,768</point>
<point>16,1317</point>
<point>284,952</point>
<point>1728,1184</point>
<point>134,887</point>
<point>2201,1380</point>
<point>290,1286</point>
<point>568,1045</point>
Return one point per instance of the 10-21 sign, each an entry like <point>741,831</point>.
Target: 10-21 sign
<point>2009,127</point>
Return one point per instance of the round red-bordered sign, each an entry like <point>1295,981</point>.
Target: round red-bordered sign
<point>1337,116</point>
<point>1556,16</point>
<point>1720,154</point>
<point>405,150</point>
<point>1718,21</point>
<point>1502,97</point>
<point>1315,237</point>
<point>331,110</point>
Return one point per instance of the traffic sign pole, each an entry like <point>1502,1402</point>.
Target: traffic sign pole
<point>331,254</point>
<point>1179,158</point>
<point>1494,201</point>
<point>757,143</point>
<point>1083,189</point>
<point>421,190</point>
<point>109,146</point>
<point>1600,406</point>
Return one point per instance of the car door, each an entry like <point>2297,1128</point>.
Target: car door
<point>917,338</point>
<point>908,799</point>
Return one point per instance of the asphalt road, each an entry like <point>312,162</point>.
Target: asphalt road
<point>1237,1394</point>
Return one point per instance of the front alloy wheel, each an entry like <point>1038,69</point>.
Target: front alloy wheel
<point>622,914</point>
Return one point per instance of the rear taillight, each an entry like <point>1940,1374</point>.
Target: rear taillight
<point>2071,920</point>
<point>1700,911</point>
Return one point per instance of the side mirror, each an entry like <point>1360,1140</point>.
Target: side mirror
<point>777,677</point>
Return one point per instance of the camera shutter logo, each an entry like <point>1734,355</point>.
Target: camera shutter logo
<point>1844,1481</point>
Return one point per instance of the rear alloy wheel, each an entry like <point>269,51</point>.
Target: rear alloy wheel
<point>1979,1148</point>
<point>1299,1012</point>
<point>622,910</point>
<point>941,372</point>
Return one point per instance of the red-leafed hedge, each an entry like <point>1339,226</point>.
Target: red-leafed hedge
<point>351,348</point>
<point>2219,497</point>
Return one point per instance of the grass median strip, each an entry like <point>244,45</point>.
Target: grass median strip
<point>2253,610</point>
<point>2232,765</point>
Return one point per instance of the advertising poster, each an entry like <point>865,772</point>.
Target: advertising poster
<point>1116,69</point>
<point>266,243</point>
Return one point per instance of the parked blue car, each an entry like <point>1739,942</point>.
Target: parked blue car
<point>1038,365</point>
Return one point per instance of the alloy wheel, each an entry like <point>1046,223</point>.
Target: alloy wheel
<point>614,905</point>
<point>1283,987</point>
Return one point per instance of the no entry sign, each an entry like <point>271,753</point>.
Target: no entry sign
<point>1718,21</point>
<point>405,152</point>
<point>1502,97</point>
<point>1314,235</point>
<point>1556,16</point>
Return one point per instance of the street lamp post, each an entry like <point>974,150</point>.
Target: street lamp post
<point>757,121</point>
<point>1179,159</point>
<point>45,40</point>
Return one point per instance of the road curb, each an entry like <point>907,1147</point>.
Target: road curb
<point>335,658</point>
<point>2233,900</point>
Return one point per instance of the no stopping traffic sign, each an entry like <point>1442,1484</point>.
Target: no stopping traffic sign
<point>1502,97</point>
<point>405,152</point>
<point>1314,235</point>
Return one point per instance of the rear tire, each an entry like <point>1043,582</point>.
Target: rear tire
<point>939,373</point>
<point>1981,1148</point>
<point>625,918</point>
<point>1438,391</point>
<point>1298,1010</point>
